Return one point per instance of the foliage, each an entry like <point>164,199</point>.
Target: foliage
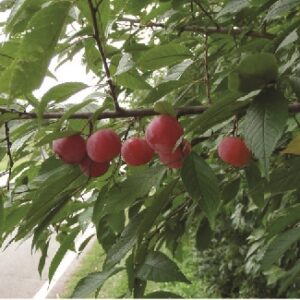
<point>225,67</point>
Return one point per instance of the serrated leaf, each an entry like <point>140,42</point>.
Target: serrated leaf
<point>293,147</point>
<point>286,217</point>
<point>125,243</point>
<point>136,185</point>
<point>285,178</point>
<point>164,107</point>
<point>60,93</point>
<point>295,83</point>
<point>233,6</point>
<point>202,185</point>
<point>264,124</point>
<point>160,268</point>
<point>279,246</point>
<point>59,255</point>
<point>27,71</point>
<point>204,235</point>
<point>175,72</point>
<point>93,282</point>
<point>289,277</point>
<point>132,80</point>
<point>159,203</point>
<point>217,113</point>
<point>162,56</point>
<point>255,184</point>
<point>281,7</point>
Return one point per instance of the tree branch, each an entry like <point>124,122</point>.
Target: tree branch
<point>206,72</point>
<point>96,36</point>
<point>11,162</point>
<point>234,31</point>
<point>206,13</point>
<point>128,113</point>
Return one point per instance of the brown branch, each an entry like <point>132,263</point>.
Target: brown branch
<point>129,113</point>
<point>11,162</point>
<point>234,31</point>
<point>206,13</point>
<point>96,36</point>
<point>206,73</point>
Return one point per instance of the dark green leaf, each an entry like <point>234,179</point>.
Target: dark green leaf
<point>290,277</point>
<point>160,268</point>
<point>164,107</point>
<point>233,6</point>
<point>162,295</point>
<point>91,283</point>
<point>278,246</point>
<point>162,56</point>
<point>202,185</point>
<point>255,184</point>
<point>264,124</point>
<point>204,235</point>
<point>59,255</point>
<point>137,185</point>
<point>295,83</point>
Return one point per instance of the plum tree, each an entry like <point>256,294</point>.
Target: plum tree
<point>136,151</point>
<point>202,70</point>
<point>103,145</point>
<point>234,151</point>
<point>163,132</point>
<point>71,149</point>
<point>93,169</point>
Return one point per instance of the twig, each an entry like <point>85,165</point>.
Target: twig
<point>96,36</point>
<point>207,76</point>
<point>206,13</point>
<point>129,113</point>
<point>11,162</point>
<point>205,30</point>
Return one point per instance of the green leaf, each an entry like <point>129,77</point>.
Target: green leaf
<point>60,93</point>
<point>132,80</point>
<point>253,73</point>
<point>59,255</point>
<point>28,70</point>
<point>286,217</point>
<point>162,295</point>
<point>285,178</point>
<point>289,277</point>
<point>176,72</point>
<point>160,268</point>
<point>295,83</point>
<point>93,282</point>
<point>164,107</point>
<point>160,201</point>
<point>217,113</point>
<point>281,7</point>
<point>204,235</point>
<point>72,110</point>
<point>255,184</point>
<point>233,6</point>
<point>125,243</point>
<point>278,246</point>
<point>202,185</point>
<point>137,185</point>
<point>264,124</point>
<point>2,218</point>
<point>162,56</point>
<point>125,64</point>
<point>43,258</point>
<point>230,190</point>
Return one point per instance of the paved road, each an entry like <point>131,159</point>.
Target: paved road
<point>19,277</point>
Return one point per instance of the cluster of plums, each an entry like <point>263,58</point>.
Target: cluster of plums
<point>162,135</point>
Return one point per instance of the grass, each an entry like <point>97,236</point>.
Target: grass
<point>117,285</point>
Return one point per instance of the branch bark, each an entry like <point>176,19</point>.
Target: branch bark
<point>128,113</point>
<point>8,147</point>
<point>234,31</point>
<point>97,38</point>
